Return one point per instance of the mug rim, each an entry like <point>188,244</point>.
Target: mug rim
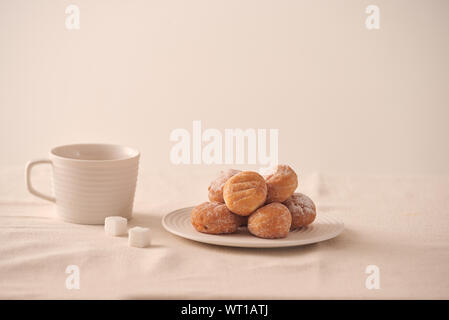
<point>136,153</point>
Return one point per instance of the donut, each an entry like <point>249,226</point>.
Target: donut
<point>302,209</point>
<point>216,186</point>
<point>244,192</point>
<point>270,221</point>
<point>214,218</point>
<point>281,183</point>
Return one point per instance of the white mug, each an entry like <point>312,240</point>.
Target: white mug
<point>90,181</point>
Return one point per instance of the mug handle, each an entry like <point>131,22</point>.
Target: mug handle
<point>30,188</point>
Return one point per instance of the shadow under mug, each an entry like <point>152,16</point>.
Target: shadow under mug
<point>90,181</point>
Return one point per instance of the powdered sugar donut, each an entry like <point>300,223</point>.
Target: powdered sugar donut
<point>214,218</point>
<point>281,183</point>
<point>270,221</point>
<point>302,209</point>
<point>216,186</point>
<point>245,192</point>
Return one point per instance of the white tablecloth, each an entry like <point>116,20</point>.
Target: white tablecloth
<point>399,224</point>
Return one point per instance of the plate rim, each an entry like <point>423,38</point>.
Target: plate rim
<point>271,243</point>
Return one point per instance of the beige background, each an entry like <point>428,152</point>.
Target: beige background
<point>362,118</point>
<point>345,99</point>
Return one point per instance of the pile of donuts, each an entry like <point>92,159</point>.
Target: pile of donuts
<point>267,205</point>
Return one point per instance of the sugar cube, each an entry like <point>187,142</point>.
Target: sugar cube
<point>139,237</point>
<point>115,226</point>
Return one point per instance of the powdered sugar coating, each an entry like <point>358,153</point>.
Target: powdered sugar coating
<point>302,209</point>
<point>216,186</point>
<point>281,184</point>
<point>214,218</point>
<point>270,221</point>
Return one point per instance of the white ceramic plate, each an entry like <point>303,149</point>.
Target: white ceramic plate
<point>323,228</point>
